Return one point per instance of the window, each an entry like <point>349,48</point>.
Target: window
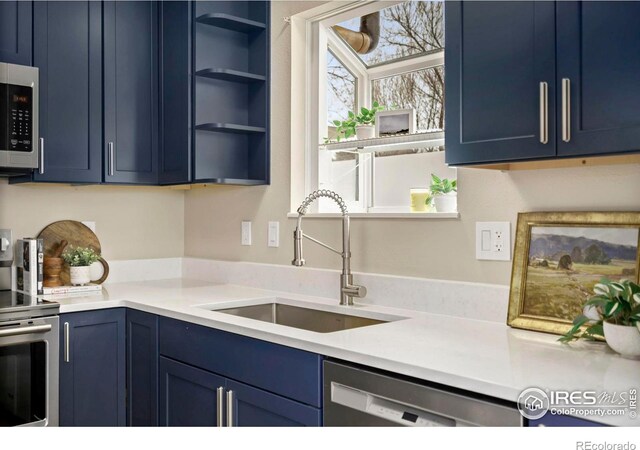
<point>404,71</point>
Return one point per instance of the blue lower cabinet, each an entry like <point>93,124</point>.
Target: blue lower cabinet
<point>257,408</point>
<point>187,395</point>
<point>92,368</point>
<point>553,420</point>
<point>142,369</point>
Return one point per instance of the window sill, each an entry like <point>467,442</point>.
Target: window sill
<point>380,215</point>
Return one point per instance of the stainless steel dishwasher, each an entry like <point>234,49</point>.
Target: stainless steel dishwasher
<point>358,397</point>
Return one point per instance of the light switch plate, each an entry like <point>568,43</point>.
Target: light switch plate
<point>246,232</point>
<point>274,234</point>
<point>493,241</point>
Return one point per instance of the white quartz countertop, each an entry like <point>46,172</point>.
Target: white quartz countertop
<point>479,356</point>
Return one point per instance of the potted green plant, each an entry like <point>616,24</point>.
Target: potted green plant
<point>79,259</point>
<point>613,313</point>
<point>361,125</point>
<point>444,193</point>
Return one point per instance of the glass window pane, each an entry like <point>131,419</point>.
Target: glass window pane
<point>408,29</point>
<point>396,173</point>
<point>422,90</point>
<point>341,93</point>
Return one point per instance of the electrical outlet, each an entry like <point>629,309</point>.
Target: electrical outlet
<point>6,247</point>
<point>493,241</point>
<point>246,232</point>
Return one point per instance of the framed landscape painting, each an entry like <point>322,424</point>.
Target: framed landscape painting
<point>559,257</point>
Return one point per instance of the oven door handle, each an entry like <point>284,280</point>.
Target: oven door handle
<point>25,330</point>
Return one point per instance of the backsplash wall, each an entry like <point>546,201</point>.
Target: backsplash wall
<point>131,222</point>
<point>443,249</point>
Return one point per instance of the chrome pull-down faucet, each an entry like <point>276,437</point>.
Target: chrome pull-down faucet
<point>347,289</point>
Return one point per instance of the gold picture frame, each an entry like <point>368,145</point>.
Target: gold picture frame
<point>547,284</point>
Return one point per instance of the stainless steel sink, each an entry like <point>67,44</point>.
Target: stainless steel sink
<point>304,318</point>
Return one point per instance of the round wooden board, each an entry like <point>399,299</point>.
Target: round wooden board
<point>75,233</point>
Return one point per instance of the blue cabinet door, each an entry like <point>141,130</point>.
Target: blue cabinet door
<point>598,46</point>
<point>131,92</point>
<point>92,372</point>
<point>142,369</point>
<point>254,407</point>
<point>15,32</point>
<point>68,52</point>
<point>188,396</point>
<point>175,92</point>
<point>552,420</point>
<point>497,55</point>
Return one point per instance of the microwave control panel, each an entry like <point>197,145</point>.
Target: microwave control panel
<point>19,118</point>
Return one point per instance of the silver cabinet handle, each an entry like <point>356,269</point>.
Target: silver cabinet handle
<point>66,342</point>
<point>41,169</point>
<point>25,330</point>
<point>544,112</point>
<point>220,407</point>
<point>230,409</point>
<point>111,158</point>
<point>566,109</point>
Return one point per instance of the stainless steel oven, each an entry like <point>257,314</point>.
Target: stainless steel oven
<point>20,148</point>
<point>29,351</point>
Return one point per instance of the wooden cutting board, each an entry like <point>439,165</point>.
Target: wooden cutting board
<point>75,233</point>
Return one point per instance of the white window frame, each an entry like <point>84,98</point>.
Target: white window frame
<point>311,37</point>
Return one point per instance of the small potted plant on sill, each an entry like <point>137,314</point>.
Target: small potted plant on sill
<point>613,313</point>
<point>445,194</point>
<point>361,125</point>
<point>79,259</point>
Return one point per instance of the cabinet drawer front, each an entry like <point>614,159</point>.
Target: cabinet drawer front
<point>258,408</point>
<point>282,370</point>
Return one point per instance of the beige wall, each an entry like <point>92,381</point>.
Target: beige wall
<point>425,248</point>
<point>131,222</point>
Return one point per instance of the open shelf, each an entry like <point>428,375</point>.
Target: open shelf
<point>230,22</point>
<point>388,143</point>
<point>235,76</point>
<point>230,128</point>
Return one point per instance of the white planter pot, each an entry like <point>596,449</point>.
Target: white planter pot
<point>365,132</point>
<point>623,339</point>
<point>80,275</point>
<point>447,203</point>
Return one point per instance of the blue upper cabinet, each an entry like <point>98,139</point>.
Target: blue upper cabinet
<point>598,45</point>
<point>68,46</point>
<point>92,368</point>
<point>175,92</point>
<point>15,32</point>
<point>131,92</point>
<point>497,57</point>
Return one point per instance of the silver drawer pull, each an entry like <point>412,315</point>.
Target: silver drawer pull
<point>230,409</point>
<point>220,407</point>
<point>544,112</point>
<point>566,109</point>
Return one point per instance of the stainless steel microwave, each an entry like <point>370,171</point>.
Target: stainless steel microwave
<point>19,140</point>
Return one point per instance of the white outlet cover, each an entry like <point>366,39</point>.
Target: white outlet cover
<point>493,241</point>
<point>90,224</point>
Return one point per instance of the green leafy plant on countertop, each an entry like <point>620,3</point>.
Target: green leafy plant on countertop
<point>614,302</point>
<point>442,186</point>
<point>80,257</point>
<point>347,128</point>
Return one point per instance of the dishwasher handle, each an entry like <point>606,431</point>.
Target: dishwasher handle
<point>385,408</point>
